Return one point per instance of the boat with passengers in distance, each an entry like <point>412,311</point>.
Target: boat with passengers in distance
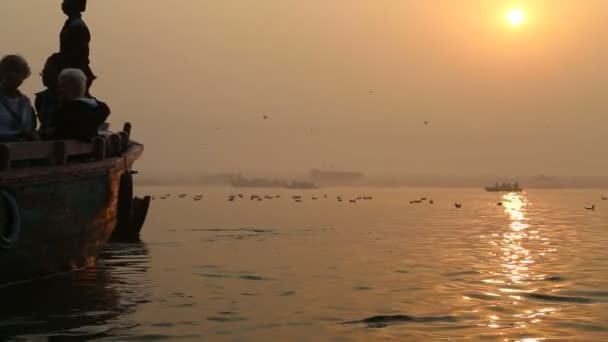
<point>504,187</point>
<point>62,201</point>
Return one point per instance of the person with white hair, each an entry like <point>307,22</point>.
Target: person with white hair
<point>78,117</point>
<point>17,116</point>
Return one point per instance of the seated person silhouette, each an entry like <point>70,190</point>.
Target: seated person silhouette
<point>17,116</point>
<point>47,101</point>
<point>77,117</point>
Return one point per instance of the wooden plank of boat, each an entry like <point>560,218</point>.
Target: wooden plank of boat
<point>33,150</point>
<point>71,169</point>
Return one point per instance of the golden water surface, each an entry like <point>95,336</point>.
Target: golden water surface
<point>532,269</point>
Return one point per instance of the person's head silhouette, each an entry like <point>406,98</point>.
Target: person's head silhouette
<point>73,7</point>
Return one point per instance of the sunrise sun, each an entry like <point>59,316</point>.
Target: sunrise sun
<point>516,16</point>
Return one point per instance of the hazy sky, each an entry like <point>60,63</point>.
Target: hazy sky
<point>195,78</point>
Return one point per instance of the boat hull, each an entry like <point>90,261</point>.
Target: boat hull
<point>67,216</point>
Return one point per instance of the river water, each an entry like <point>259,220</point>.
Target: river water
<point>532,269</point>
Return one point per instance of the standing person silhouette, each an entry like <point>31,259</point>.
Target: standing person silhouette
<point>74,40</point>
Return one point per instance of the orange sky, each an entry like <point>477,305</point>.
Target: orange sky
<point>195,77</point>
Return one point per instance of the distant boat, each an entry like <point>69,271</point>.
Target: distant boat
<point>335,176</point>
<point>242,182</point>
<point>301,185</point>
<point>604,198</point>
<point>504,187</point>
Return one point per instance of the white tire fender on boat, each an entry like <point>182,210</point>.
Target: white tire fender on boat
<point>13,230</point>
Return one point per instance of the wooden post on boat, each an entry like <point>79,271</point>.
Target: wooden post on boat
<point>108,145</point>
<point>125,203</point>
<point>5,157</point>
<point>127,128</point>
<point>60,153</point>
<point>115,145</point>
<point>99,148</point>
<point>131,211</point>
<point>124,141</point>
<point>138,216</point>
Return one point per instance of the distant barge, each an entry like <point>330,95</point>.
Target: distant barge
<point>301,185</point>
<point>241,182</point>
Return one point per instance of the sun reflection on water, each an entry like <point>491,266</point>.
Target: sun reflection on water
<point>516,248</point>
<point>516,258</point>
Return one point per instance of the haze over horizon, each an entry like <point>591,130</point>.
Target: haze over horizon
<point>345,85</point>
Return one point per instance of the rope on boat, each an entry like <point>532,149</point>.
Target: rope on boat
<point>14,226</point>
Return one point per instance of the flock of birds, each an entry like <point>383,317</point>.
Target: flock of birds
<point>430,201</point>
<point>300,199</point>
<point>181,196</point>
<point>297,198</point>
<point>500,204</point>
<point>259,198</point>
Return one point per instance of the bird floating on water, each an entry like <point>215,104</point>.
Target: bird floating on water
<point>458,205</point>
<point>591,207</point>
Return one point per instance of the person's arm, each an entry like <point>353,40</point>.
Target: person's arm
<point>33,122</point>
<point>29,124</point>
<point>15,135</point>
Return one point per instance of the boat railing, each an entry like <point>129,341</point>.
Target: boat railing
<point>59,152</point>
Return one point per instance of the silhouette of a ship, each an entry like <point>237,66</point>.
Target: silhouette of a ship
<point>504,187</point>
<point>301,185</point>
<point>242,182</point>
<point>335,176</point>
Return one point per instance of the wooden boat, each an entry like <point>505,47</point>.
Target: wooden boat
<point>61,201</point>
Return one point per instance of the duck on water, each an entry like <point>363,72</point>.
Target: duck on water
<point>62,198</point>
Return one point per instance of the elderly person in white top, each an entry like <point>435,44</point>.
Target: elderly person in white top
<point>78,117</point>
<point>17,116</point>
